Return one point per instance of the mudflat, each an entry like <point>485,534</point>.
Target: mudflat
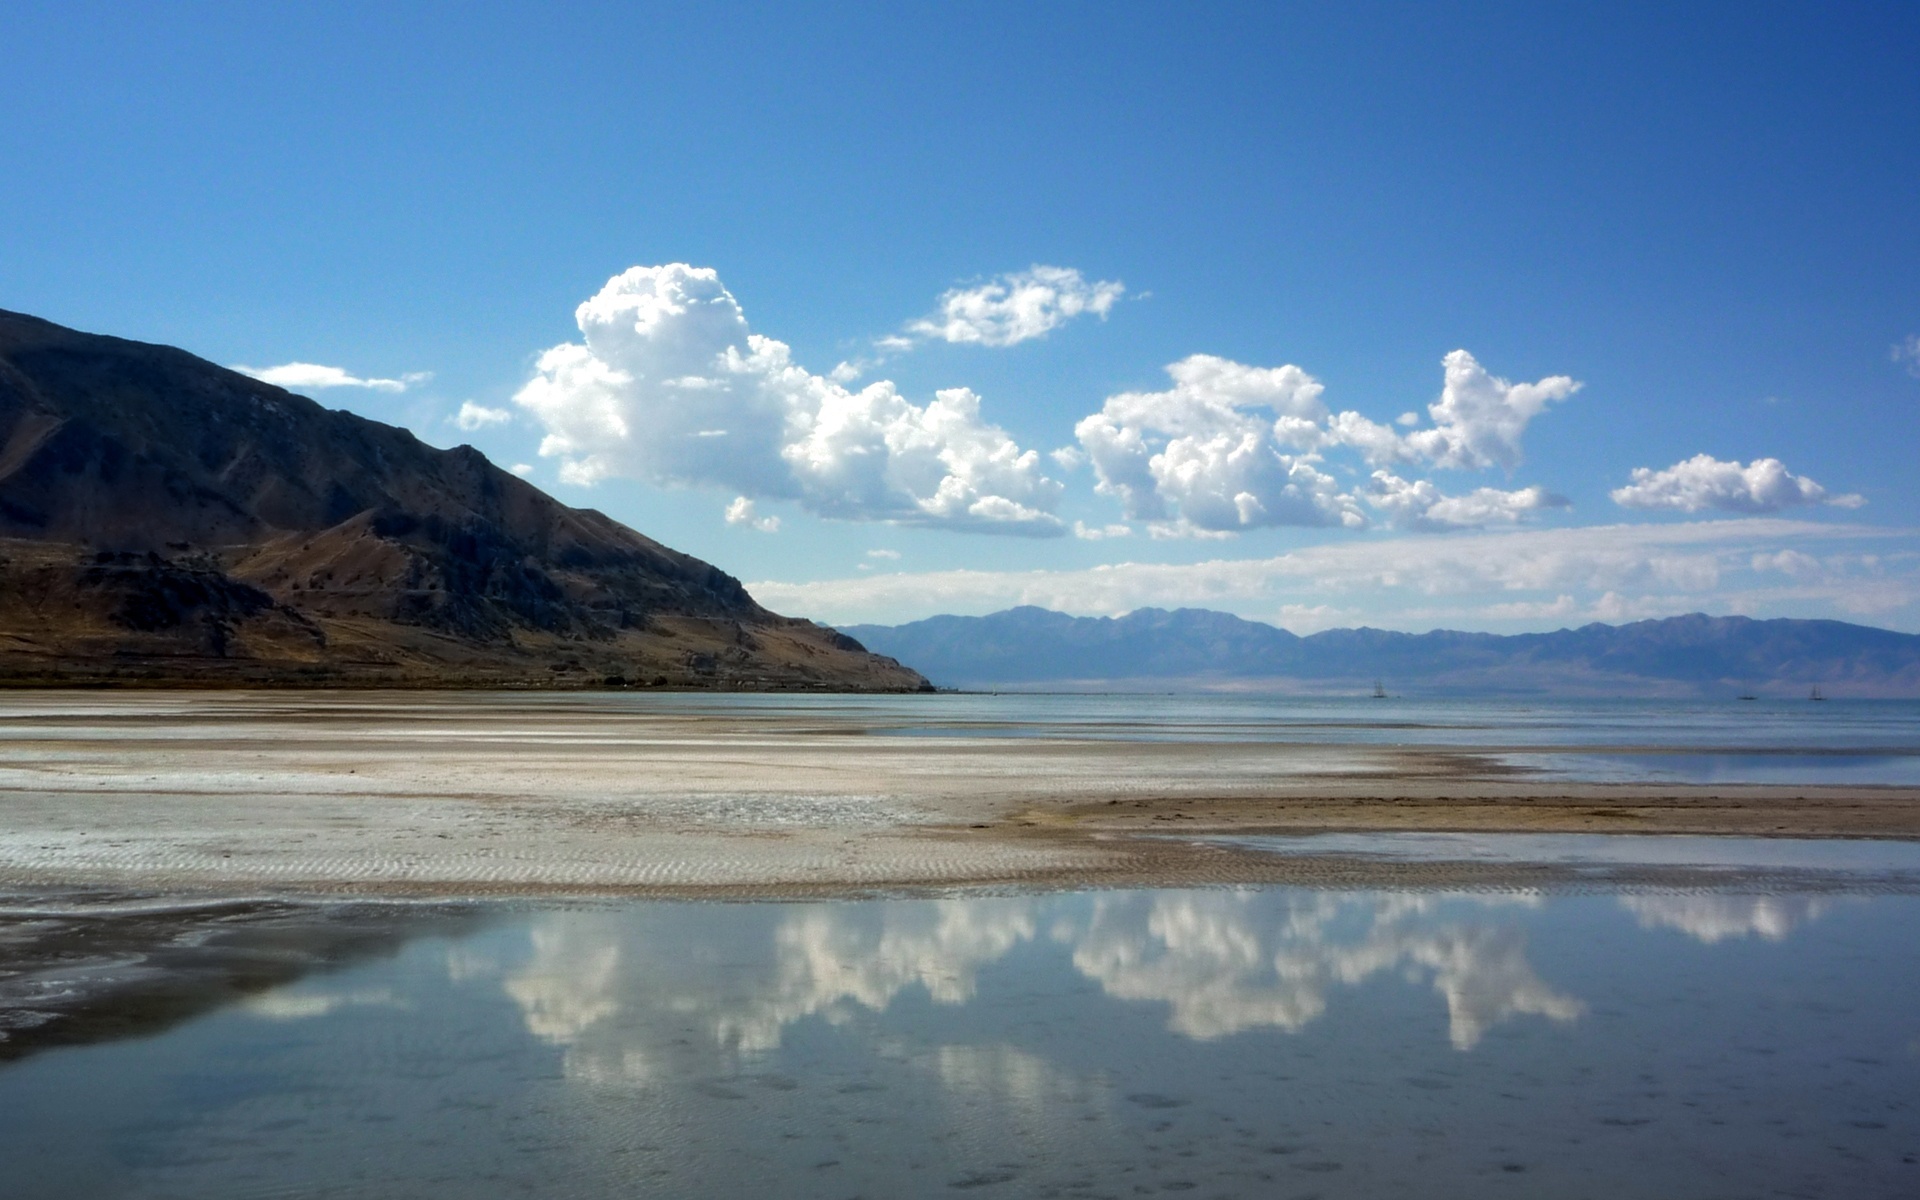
<point>462,793</point>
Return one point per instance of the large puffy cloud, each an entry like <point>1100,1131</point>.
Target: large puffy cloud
<point>670,386</point>
<point>307,377</point>
<point>1479,420</point>
<point>1704,482</point>
<point>1014,308</point>
<point>1421,505</point>
<point>1212,451</point>
<point>1233,447</point>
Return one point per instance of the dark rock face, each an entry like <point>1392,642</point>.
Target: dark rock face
<point>162,516</point>
<point>1690,655</point>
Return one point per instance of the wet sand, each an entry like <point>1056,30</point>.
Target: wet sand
<point>475,794</point>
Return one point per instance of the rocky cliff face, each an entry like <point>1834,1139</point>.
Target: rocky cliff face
<point>164,519</point>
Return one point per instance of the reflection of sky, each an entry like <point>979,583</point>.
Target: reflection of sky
<point>1713,918</point>
<point>1217,962</point>
<point>1255,1042</point>
<point>1221,968</point>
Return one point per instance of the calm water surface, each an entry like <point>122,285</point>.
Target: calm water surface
<point>1875,742</point>
<point>1715,1041</point>
<point>1266,1042</point>
<point>1869,742</point>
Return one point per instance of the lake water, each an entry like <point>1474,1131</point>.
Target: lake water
<point>1874,742</point>
<point>1727,1038</point>
<point>1844,742</point>
<point>1264,1042</point>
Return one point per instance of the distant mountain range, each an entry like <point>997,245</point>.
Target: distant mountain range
<point>166,520</point>
<point>1680,656</point>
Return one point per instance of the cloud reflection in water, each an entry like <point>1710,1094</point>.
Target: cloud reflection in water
<point>616,989</point>
<point>1223,966</point>
<point>1713,918</point>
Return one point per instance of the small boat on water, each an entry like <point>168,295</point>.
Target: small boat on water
<point>1748,696</point>
<point>1815,695</point>
<point>1379,691</point>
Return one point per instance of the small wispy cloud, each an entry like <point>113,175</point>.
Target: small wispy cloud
<point>1012,308</point>
<point>1420,505</point>
<point>1907,350</point>
<point>302,376</point>
<point>473,416</point>
<point>741,512</point>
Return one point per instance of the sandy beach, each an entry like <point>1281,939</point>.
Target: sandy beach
<point>466,794</point>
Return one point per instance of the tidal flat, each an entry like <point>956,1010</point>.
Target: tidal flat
<point>446,944</point>
<point>457,793</point>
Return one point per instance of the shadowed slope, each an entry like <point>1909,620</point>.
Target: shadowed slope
<point>162,517</point>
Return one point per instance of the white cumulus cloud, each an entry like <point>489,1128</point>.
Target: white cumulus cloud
<point>1013,308</point>
<point>1213,451</point>
<point>473,416</point>
<point>1478,421</point>
<point>1232,447</point>
<point>670,386</point>
<point>1704,482</point>
<point>1421,505</point>
<point>300,376</point>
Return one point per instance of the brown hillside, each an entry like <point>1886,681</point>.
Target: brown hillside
<point>163,519</point>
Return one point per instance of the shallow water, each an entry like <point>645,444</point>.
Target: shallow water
<point>1836,862</point>
<point>1840,742</point>
<point>1875,742</point>
<point>1788,765</point>
<point>1263,1042</point>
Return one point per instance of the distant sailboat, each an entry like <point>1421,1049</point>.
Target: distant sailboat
<point>1748,696</point>
<point>1379,691</point>
<point>1815,694</point>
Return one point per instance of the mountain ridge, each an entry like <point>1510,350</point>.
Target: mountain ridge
<point>1687,655</point>
<point>165,519</point>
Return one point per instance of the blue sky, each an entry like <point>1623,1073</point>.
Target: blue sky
<point>1706,219</point>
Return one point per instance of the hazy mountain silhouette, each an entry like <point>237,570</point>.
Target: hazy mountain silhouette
<point>164,518</point>
<point>1690,655</point>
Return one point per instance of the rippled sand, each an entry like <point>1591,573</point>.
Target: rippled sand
<point>463,792</point>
